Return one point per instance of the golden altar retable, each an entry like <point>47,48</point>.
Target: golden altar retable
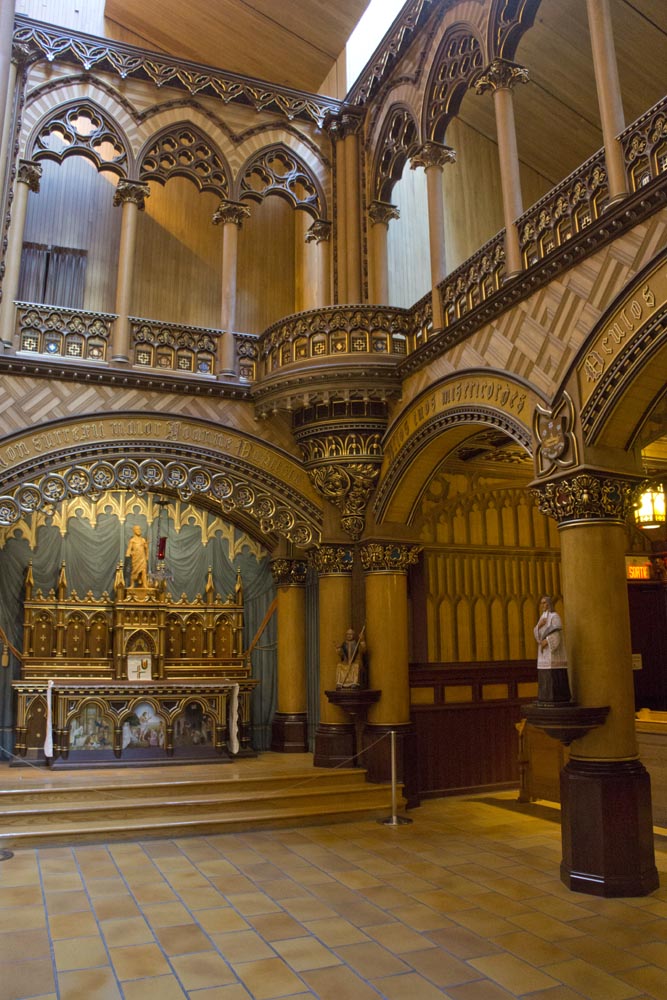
<point>136,678</point>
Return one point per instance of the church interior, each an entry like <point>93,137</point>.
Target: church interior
<point>333,454</point>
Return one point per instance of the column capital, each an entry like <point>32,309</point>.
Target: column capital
<point>132,192</point>
<point>501,74</point>
<point>332,560</point>
<point>23,53</point>
<point>319,232</point>
<point>382,212</point>
<point>348,121</point>
<point>231,211</point>
<point>588,495</point>
<point>431,154</point>
<point>388,557</point>
<point>289,572</point>
<point>29,173</point>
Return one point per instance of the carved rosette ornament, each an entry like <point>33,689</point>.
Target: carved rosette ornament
<point>388,557</point>
<point>501,74</point>
<point>553,429</point>
<point>29,173</point>
<point>382,212</point>
<point>231,211</point>
<point>431,154</point>
<point>319,232</point>
<point>131,192</point>
<point>289,572</point>
<point>332,560</point>
<point>588,496</point>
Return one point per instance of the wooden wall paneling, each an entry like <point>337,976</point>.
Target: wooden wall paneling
<point>266,278</point>
<point>178,256</point>
<point>54,217</point>
<point>408,260</point>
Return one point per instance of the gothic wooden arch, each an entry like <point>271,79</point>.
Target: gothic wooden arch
<point>438,421</point>
<point>254,484</point>
<point>81,128</point>
<point>457,64</point>
<point>399,134</point>
<point>277,169</point>
<point>620,374</point>
<point>182,149</point>
<point>508,22</point>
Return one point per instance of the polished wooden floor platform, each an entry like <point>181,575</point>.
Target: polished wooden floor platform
<point>43,807</point>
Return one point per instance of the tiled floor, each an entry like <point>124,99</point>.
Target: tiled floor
<point>464,902</point>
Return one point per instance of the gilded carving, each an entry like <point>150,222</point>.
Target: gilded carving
<point>399,136</point>
<point>319,232</point>
<point>131,192</point>
<point>501,74</point>
<point>458,61</point>
<point>230,211</point>
<point>587,496</point>
<point>348,486</point>
<point>553,429</point>
<point>289,572</point>
<point>332,560</point>
<point>29,173</point>
<point>392,557</point>
<point>381,213</point>
<point>431,154</point>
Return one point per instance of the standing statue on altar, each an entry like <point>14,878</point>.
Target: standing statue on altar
<point>137,553</point>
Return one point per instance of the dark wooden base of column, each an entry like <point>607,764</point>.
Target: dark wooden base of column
<point>289,732</point>
<point>607,828</point>
<point>334,745</point>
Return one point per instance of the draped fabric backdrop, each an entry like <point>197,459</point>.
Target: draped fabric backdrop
<point>91,553</point>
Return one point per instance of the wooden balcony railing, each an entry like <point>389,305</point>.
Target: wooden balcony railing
<point>67,333</point>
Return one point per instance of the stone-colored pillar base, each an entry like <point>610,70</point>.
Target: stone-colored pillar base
<point>607,828</point>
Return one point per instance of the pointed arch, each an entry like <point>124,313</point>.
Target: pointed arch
<point>81,128</point>
<point>278,170</point>
<point>457,64</point>
<point>399,134</point>
<point>182,149</point>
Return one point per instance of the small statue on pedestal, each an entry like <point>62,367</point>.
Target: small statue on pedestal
<point>351,669</point>
<point>553,685</point>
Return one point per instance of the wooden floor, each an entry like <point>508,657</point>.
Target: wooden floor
<point>40,807</point>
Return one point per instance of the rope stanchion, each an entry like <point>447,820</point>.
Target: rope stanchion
<point>394,819</point>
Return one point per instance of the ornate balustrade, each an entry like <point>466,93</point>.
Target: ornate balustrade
<point>645,146</point>
<point>173,347</point>
<point>65,333</point>
<point>568,209</point>
<point>335,331</point>
<point>474,281</point>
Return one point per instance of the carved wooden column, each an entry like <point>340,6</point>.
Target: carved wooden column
<point>334,738</point>
<point>27,179</point>
<point>320,234</point>
<point>231,214</point>
<point>609,94</point>
<point>380,214</point>
<point>352,126</point>
<point>9,59</point>
<point>500,77</point>
<point>432,156</point>
<point>607,824</point>
<point>385,565</point>
<point>290,723</point>
<point>132,196</point>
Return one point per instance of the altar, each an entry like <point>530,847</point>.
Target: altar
<point>133,678</point>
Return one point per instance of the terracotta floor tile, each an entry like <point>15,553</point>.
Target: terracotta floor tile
<point>234,992</point>
<point>158,988</point>
<point>648,978</point>
<point>66,902</point>
<point>139,961</point>
<point>202,970</point>
<point>513,974</point>
<point>533,949</point>
<point>338,983</point>
<point>420,917</point>
<point>591,982</point>
<point>22,918</point>
<point>62,882</point>
<point>182,939</point>
<point>277,926</point>
<point>20,895</point>
<point>153,892</point>
<point>303,953</point>
<point>545,927</point>
<point>119,932</point>
<point>93,984</point>
<point>69,925</point>
<point>335,932</point>
<point>308,909</point>
<point>80,953</point>
<point>26,979</point>
<point>24,946</point>
<point>166,914</point>
<point>409,987</point>
<point>398,938</point>
<point>110,907</point>
<point>242,946</point>
<point>222,919</point>
<point>603,955</point>
<point>371,960</point>
<point>250,903</point>
<point>461,942</point>
<point>105,887</point>
<point>484,923</point>
<point>440,968</point>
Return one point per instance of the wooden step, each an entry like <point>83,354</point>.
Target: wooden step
<point>64,808</point>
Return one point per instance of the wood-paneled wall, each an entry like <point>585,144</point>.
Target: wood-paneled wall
<point>266,265</point>
<point>55,218</point>
<point>407,241</point>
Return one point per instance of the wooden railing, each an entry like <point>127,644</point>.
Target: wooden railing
<point>75,334</point>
